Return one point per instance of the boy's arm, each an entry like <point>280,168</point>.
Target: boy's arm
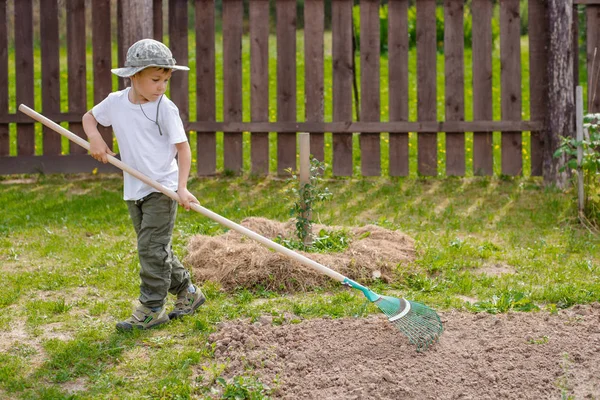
<point>184,157</point>
<point>98,147</point>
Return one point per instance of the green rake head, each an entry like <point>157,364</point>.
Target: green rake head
<point>419,323</point>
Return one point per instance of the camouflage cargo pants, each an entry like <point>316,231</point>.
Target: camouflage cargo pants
<point>161,272</point>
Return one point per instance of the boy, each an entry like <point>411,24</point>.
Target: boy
<point>150,134</point>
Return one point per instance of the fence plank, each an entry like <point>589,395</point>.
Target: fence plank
<point>206,144</point>
<point>510,78</point>
<point>233,13</point>
<point>178,43</point>
<point>454,84</point>
<point>157,20</point>
<point>347,127</point>
<point>593,49</point>
<point>341,26</point>
<point>398,84</point>
<point>538,81</point>
<point>76,54</point>
<point>120,46</point>
<point>259,83</point>
<point>24,71</point>
<point>101,49</point>
<point>314,27</point>
<point>369,85</point>
<point>426,84</point>
<point>50,71</point>
<point>483,162</point>
<point>4,132</point>
<point>52,164</point>
<point>286,82</point>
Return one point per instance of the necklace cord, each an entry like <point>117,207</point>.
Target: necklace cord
<point>157,108</point>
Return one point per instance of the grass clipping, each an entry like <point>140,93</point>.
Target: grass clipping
<point>236,261</point>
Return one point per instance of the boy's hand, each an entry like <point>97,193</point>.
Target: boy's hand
<point>99,149</point>
<point>186,198</point>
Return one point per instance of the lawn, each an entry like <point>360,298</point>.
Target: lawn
<point>69,271</point>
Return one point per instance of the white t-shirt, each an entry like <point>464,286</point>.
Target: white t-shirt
<point>141,145</point>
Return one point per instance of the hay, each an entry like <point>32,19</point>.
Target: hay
<point>236,261</point>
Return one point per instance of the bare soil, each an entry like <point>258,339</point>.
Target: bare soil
<point>479,356</point>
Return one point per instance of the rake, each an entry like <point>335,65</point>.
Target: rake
<point>419,323</point>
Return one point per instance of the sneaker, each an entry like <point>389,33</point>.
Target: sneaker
<point>187,302</point>
<point>143,318</point>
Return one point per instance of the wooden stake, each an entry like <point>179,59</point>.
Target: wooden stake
<point>579,126</point>
<point>304,139</point>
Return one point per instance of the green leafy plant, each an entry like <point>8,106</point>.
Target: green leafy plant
<point>334,241</point>
<point>509,300</point>
<point>307,196</point>
<point>590,163</point>
<point>241,388</point>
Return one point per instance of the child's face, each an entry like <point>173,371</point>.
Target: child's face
<point>150,83</point>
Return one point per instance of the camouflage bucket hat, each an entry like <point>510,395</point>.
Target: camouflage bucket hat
<point>147,53</point>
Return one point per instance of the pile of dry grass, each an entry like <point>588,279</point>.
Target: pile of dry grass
<point>236,261</point>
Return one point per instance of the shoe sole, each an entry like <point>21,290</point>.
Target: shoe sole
<point>130,328</point>
<point>174,315</point>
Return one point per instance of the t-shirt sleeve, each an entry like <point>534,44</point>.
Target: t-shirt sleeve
<point>171,123</point>
<point>101,111</point>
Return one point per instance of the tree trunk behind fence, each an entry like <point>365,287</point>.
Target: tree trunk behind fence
<point>137,23</point>
<point>560,119</point>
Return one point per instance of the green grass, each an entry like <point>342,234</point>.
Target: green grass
<point>69,272</point>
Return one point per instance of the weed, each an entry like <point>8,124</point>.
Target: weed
<point>242,388</point>
<point>508,300</point>
<point>333,241</point>
<point>543,340</point>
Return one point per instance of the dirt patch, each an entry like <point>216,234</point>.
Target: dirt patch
<point>236,261</point>
<point>479,356</point>
<point>496,270</point>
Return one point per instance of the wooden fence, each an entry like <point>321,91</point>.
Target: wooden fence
<point>343,125</point>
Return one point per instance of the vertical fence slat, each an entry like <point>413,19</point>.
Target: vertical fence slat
<point>538,80</point>
<point>593,45</point>
<point>455,83</point>
<point>178,43</point>
<point>510,78</point>
<point>286,82</point>
<point>4,135</point>
<point>369,85</point>
<point>259,83</point>
<point>341,26</point>
<point>76,54</point>
<point>24,71</point>
<point>120,38</point>
<point>206,144</point>
<point>398,84</point>
<point>101,44</point>
<point>50,71</point>
<point>427,84</point>
<point>157,20</point>
<point>314,27</point>
<point>483,162</point>
<point>233,13</point>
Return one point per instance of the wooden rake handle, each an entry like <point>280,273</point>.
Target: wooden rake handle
<point>195,206</point>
